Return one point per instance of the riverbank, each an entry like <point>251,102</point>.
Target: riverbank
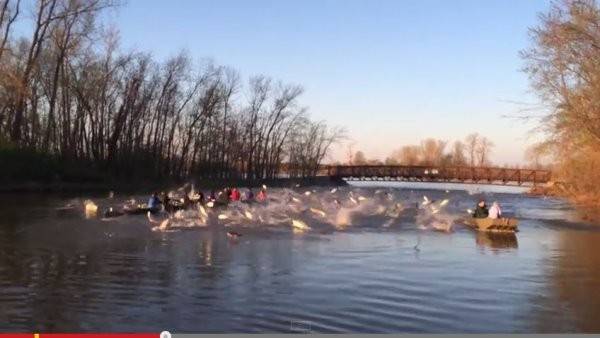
<point>147,186</point>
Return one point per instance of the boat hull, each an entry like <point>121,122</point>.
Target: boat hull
<point>494,225</point>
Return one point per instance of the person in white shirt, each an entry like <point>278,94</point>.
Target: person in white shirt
<point>495,211</point>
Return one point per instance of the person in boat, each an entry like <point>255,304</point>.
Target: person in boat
<point>262,195</point>
<point>187,202</point>
<point>481,211</point>
<point>495,211</point>
<point>223,197</point>
<point>154,203</point>
<point>249,195</point>
<point>235,195</point>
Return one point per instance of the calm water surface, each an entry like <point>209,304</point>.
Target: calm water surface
<point>60,272</point>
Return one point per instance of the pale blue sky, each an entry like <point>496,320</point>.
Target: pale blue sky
<point>392,72</point>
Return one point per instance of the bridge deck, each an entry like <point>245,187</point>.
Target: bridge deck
<point>480,175</point>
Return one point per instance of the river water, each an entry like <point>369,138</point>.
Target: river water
<point>364,270</point>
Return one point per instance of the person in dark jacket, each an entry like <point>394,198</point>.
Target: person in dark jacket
<point>154,203</point>
<point>481,211</point>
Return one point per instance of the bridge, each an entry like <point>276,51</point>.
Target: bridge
<point>453,174</point>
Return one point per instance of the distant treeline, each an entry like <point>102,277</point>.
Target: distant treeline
<point>474,151</point>
<point>71,102</point>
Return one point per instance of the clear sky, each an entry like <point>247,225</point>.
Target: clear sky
<point>392,72</point>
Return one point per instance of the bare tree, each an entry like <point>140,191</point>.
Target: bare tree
<point>359,158</point>
<point>563,64</point>
<point>483,151</point>
<point>432,151</point>
<point>472,143</point>
<point>458,154</point>
<point>8,15</point>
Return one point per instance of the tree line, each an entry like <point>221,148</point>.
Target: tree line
<point>68,91</point>
<point>474,151</point>
<point>563,64</point>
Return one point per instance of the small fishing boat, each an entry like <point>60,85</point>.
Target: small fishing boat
<point>493,225</point>
<point>136,209</point>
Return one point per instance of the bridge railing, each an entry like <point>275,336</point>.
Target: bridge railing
<point>447,174</point>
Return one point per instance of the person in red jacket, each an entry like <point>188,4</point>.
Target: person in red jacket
<point>235,195</point>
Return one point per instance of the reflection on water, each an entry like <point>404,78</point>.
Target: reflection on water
<point>62,273</point>
<point>497,241</point>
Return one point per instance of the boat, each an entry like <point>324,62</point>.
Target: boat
<point>136,209</point>
<point>493,224</point>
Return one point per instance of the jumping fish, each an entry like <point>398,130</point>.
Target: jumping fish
<point>333,191</point>
<point>295,199</point>
<point>233,234</point>
<point>210,204</point>
<point>223,216</point>
<point>307,193</point>
<point>442,226</point>
<point>444,202</point>
<point>264,187</point>
<point>248,215</point>
<point>426,200</point>
<point>163,225</point>
<point>318,212</point>
<point>90,208</point>
<point>298,224</point>
<point>353,200</point>
<point>202,210</point>
<point>361,198</point>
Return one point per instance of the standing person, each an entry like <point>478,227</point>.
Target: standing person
<point>481,211</point>
<point>495,211</point>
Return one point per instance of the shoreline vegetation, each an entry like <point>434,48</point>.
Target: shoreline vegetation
<point>563,65</point>
<point>75,107</point>
<point>149,187</point>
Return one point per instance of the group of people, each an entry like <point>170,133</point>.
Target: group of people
<point>482,210</point>
<point>222,197</point>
